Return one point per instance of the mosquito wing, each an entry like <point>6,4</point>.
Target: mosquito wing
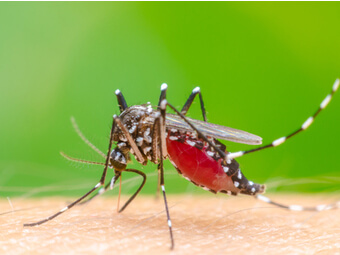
<point>213,130</point>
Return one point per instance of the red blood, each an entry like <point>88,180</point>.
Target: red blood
<point>198,166</point>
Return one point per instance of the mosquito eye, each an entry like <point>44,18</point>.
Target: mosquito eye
<point>118,159</point>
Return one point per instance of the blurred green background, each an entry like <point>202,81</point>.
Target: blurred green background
<point>262,67</point>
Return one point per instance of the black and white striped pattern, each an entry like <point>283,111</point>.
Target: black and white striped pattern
<point>128,138</point>
<point>317,208</point>
<point>64,209</point>
<point>304,126</point>
<point>100,183</point>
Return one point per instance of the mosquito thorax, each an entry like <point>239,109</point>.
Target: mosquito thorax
<point>135,119</point>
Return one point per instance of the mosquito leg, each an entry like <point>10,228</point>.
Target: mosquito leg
<point>163,153</point>
<point>191,98</point>
<point>103,189</point>
<point>155,137</point>
<point>100,183</point>
<point>164,87</point>
<point>298,207</point>
<point>100,192</point>
<point>137,191</point>
<point>304,126</point>
<point>189,101</point>
<point>111,184</point>
<point>121,101</point>
<point>158,181</point>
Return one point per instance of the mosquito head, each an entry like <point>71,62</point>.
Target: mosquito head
<point>118,159</point>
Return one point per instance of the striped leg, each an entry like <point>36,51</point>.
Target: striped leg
<point>137,191</point>
<point>64,209</point>
<point>103,189</point>
<point>100,183</point>
<point>164,88</point>
<point>184,111</point>
<point>189,101</point>
<point>304,126</point>
<point>111,185</point>
<point>163,153</point>
<point>317,208</point>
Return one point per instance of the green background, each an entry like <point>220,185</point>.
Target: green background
<point>262,67</point>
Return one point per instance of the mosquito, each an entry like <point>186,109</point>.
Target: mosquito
<point>151,134</point>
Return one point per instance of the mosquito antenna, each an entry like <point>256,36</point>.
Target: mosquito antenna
<point>93,147</point>
<point>80,160</point>
<point>100,183</point>
<point>303,127</point>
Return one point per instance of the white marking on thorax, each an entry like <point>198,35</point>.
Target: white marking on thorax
<point>149,109</point>
<point>121,145</point>
<point>147,138</point>
<point>146,150</point>
<point>122,138</point>
<point>132,129</point>
<point>139,141</point>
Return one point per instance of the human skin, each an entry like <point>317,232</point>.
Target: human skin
<point>201,224</point>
